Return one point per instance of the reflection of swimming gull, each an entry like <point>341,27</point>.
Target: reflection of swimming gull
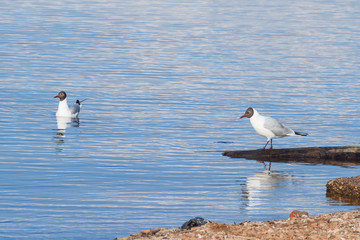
<point>63,108</point>
<point>62,124</point>
<point>268,126</point>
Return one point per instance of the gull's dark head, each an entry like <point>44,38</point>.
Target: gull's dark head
<point>61,95</point>
<point>248,113</point>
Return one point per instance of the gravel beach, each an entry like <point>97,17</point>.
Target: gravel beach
<point>299,225</point>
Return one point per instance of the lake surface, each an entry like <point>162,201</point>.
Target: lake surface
<point>164,80</point>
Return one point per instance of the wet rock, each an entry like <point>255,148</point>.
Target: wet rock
<point>195,222</point>
<point>344,189</point>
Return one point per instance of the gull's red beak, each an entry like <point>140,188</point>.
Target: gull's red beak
<point>241,116</point>
<point>56,96</point>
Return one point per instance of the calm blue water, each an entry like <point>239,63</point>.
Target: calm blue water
<point>164,80</point>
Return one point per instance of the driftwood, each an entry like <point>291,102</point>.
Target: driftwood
<point>343,156</point>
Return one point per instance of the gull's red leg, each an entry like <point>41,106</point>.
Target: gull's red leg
<point>265,145</point>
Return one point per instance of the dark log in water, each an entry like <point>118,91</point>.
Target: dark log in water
<point>343,156</point>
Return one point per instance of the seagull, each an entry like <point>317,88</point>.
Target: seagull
<point>64,110</point>
<point>268,126</point>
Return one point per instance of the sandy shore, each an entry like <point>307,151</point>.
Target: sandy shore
<point>338,225</point>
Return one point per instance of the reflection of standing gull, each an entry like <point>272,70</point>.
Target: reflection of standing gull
<point>262,185</point>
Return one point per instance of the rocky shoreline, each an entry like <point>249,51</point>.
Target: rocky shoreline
<point>299,225</point>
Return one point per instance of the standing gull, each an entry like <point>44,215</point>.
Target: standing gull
<point>268,126</point>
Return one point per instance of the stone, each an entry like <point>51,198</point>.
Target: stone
<point>344,189</point>
<point>195,222</point>
<point>296,213</point>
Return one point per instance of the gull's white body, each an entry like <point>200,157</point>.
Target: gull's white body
<point>65,111</point>
<point>269,127</point>
<point>63,108</point>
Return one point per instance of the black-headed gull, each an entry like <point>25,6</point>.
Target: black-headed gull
<point>268,126</point>
<point>63,108</point>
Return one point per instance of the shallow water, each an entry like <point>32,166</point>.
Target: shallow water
<point>163,81</point>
